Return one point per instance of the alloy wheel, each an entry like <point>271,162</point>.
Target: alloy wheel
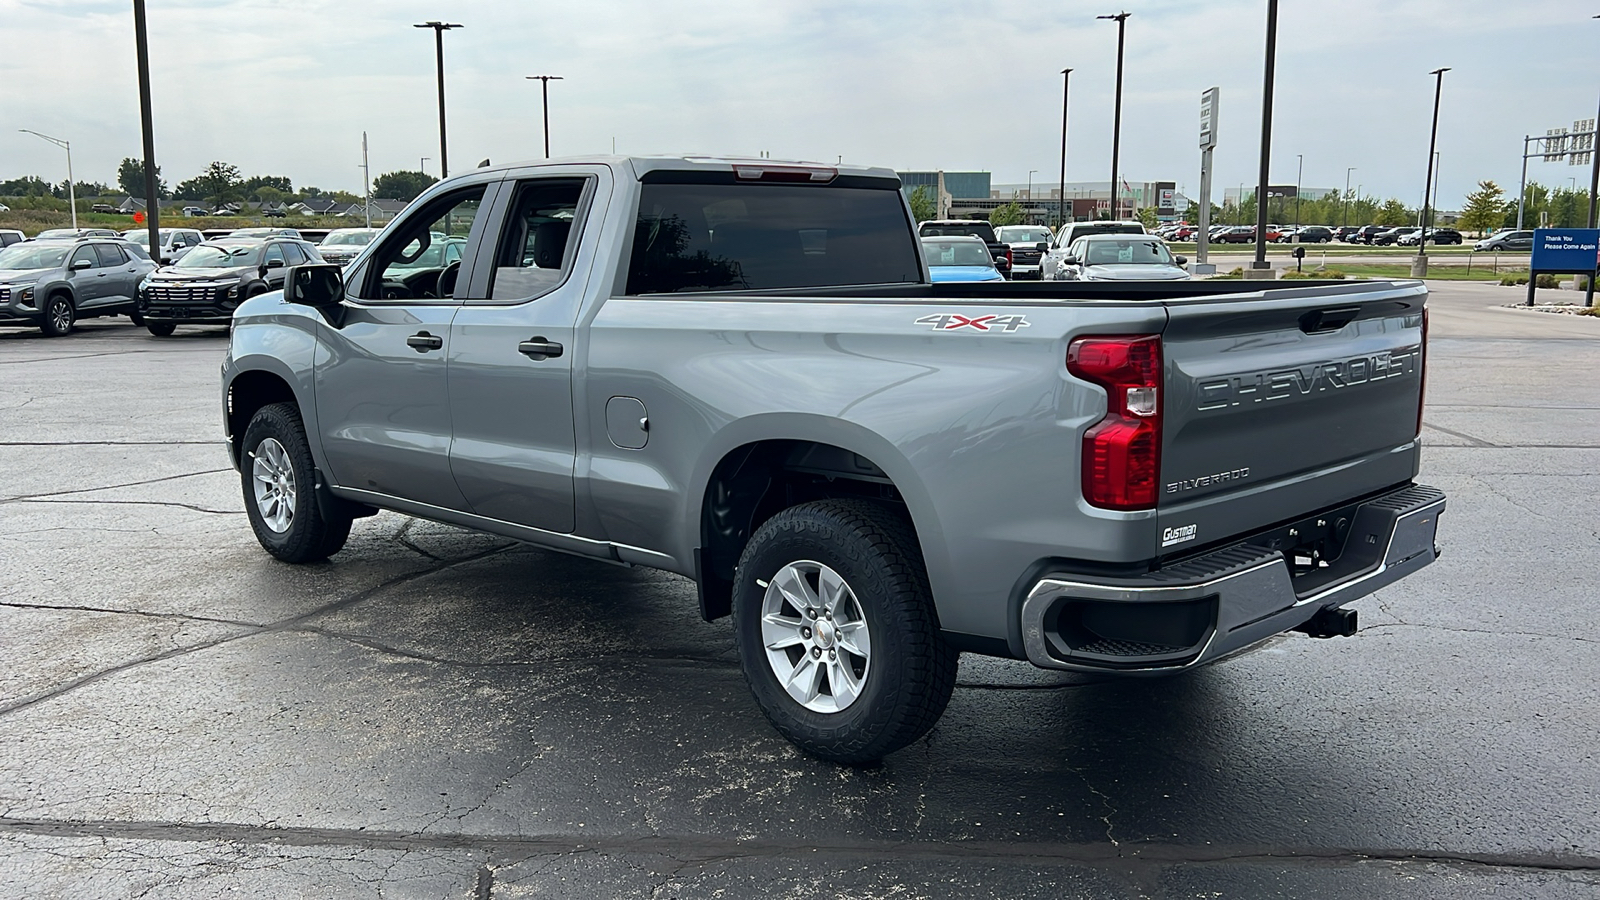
<point>816,636</point>
<point>272,475</point>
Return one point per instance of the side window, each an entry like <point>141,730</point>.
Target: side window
<point>292,255</point>
<point>274,252</point>
<point>535,248</point>
<point>421,258</point>
<point>85,253</point>
<point>110,256</point>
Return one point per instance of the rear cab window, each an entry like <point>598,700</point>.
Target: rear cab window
<point>710,232</point>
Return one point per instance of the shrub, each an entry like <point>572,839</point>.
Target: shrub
<point>1545,281</point>
<point>1515,278</point>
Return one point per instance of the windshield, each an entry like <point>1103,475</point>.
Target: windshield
<point>1022,234</point>
<point>348,239</point>
<point>220,256</point>
<point>142,237</point>
<point>956,253</point>
<point>1125,252</point>
<point>22,256</point>
<point>50,233</point>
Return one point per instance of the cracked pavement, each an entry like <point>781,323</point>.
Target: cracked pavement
<point>437,713</point>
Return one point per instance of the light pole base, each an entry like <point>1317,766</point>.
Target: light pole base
<point>1260,271</point>
<point>1419,266</point>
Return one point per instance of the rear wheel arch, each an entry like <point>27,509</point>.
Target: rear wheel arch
<point>755,481</point>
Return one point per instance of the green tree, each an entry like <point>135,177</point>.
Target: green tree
<point>1485,207</point>
<point>218,184</point>
<point>1392,213</point>
<point>1009,214</point>
<point>255,182</point>
<point>130,177</point>
<point>1148,216</point>
<point>403,185</point>
<point>27,186</point>
<point>923,206</point>
<point>269,194</point>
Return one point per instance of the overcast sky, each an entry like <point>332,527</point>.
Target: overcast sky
<point>285,87</point>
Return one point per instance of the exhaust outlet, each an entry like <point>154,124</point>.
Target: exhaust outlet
<point>1330,622</point>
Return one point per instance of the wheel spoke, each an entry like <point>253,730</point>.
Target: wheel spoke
<point>781,631</point>
<point>806,680</point>
<point>831,588</point>
<point>795,589</point>
<point>842,681</point>
<point>853,636</point>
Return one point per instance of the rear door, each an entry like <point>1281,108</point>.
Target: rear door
<point>1282,405</point>
<point>512,345</point>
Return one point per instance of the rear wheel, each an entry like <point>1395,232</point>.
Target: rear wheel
<point>161,329</point>
<point>836,630</point>
<point>59,316</point>
<point>279,481</point>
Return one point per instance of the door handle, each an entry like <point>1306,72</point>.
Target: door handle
<point>422,342</point>
<point>539,348</point>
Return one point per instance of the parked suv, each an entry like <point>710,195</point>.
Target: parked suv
<point>344,244</point>
<point>1435,236</point>
<point>1051,266</point>
<point>1027,243</point>
<point>1506,240</point>
<point>175,242</point>
<point>211,280</point>
<point>53,284</point>
<point>1392,235</point>
<point>1312,234</point>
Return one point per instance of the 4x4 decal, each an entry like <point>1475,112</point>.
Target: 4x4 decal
<point>954,321</point>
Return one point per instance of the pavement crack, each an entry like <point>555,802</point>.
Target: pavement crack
<point>484,888</point>
<point>172,503</point>
<point>108,487</point>
<point>1488,631</point>
<point>694,849</point>
<point>130,612</point>
<point>1507,497</point>
<point>281,625</point>
<point>1475,441</point>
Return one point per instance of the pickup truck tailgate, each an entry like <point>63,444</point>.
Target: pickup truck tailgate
<point>1277,409</point>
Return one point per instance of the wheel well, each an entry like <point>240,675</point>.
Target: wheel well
<point>755,482</point>
<point>246,395</point>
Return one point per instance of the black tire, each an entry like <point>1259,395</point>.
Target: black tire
<point>911,673</point>
<point>309,536</point>
<point>59,316</point>
<point>136,317</point>
<point>161,329</point>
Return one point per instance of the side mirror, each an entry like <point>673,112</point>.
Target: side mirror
<point>273,264</point>
<point>1069,260</point>
<point>1183,261</point>
<point>80,264</point>
<point>1042,246</point>
<point>166,260</point>
<point>319,285</point>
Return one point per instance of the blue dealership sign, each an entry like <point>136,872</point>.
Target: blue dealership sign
<point>1566,250</point>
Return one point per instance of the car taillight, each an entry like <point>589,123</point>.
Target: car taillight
<point>1422,364</point>
<point>1010,259</point>
<point>1122,452</point>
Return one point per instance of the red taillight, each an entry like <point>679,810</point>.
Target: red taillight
<point>1122,452</point>
<point>1009,258</point>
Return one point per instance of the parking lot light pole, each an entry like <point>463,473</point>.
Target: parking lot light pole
<point>439,28</point>
<point>422,165</point>
<point>72,197</point>
<point>152,198</point>
<point>1121,19</point>
<point>1299,173</point>
<point>1266,136</point>
<point>1594,170</point>
<point>544,87</point>
<point>1419,268</point>
<point>1061,202</point>
<point>1344,201</point>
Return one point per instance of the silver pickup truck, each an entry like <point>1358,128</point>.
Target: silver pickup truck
<point>738,371</point>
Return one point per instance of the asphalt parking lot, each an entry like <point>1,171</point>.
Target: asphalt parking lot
<point>436,713</point>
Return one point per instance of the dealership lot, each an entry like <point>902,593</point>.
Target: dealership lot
<point>435,713</point>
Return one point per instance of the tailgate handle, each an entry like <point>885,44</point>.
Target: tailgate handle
<point>1321,321</point>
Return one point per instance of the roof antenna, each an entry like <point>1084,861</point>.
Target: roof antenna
<point>484,164</point>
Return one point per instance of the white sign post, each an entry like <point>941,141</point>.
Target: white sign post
<point>1208,141</point>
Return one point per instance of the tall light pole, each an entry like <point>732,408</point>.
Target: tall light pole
<point>1121,19</point>
<point>1420,267</point>
<point>1594,171</point>
<point>544,89</point>
<point>72,196</point>
<point>439,28</point>
<point>1030,187</point>
<point>1061,203</point>
<point>152,197</point>
<point>1266,135</point>
<point>1299,173</point>
<point>1344,201</point>
<point>422,164</point>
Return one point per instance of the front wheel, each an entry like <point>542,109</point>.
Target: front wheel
<point>837,633</point>
<point>59,316</point>
<point>161,329</point>
<point>279,482</point>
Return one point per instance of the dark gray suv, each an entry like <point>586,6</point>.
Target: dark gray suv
<point>212,279</point>
<point>53,284</point>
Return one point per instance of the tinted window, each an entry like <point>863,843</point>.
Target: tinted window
<point>956,253</point>
<point>973,229</point>
<point>534,247</point>
<point>705,237</point>
<point>85,254</point>
<point>292,255</point>
<point>109,255</point>
<point>274,252</point>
